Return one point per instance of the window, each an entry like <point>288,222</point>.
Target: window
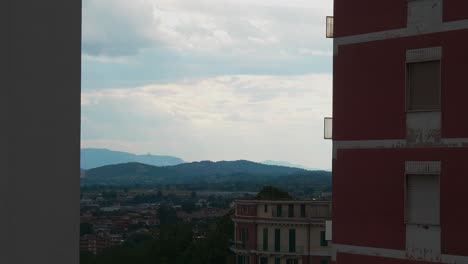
<point>323,241</point>
<point>292,261</point>
<point>277,261</point>
<point>263,260</point>
<point>291,210</point>
<point>423,86</point>
<point>243,260</point>
<point>279,213</point>
<point>292,240</point>
<point>244,236</point>
<point>265,208</point>
<point>324,261</point>
<point>277,240</point>
<point>422,199</point>
<point>265,239</point>
<point>303,210</point>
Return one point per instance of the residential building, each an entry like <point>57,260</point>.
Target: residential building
<point>281,232</point>
<point>400,144</point>
<point>97,243</point>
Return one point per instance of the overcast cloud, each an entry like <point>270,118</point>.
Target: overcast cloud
<point>208,79</point>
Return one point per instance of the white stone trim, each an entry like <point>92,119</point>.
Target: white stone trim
<point>426,54</point>
<point>393,143</point>
<point>320,223</point>
<point>422,167</point>
<point>398,33</point>
<point>368,251</point>
<point>389,253</point>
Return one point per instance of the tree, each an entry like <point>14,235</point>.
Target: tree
<point>86,228</point>
<point>159,195</point>
<point>167,215</point>
<point>273,193</point>
<point>188,206</point>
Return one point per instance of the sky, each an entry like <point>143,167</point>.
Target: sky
<point>208,79</point>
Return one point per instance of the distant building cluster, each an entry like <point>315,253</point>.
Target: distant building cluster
<point>108,221</point>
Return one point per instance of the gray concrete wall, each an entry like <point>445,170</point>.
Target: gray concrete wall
<point>40,131</point>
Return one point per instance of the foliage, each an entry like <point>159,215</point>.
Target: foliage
<point>86,228</point>
<point>167,215</point>
<point>175,245</point>
<point>272,193</point>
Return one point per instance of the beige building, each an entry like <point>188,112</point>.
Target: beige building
<point>281,232</point>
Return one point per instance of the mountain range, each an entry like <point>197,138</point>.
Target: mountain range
<point>286,164</point>
<point>202,172</point>
<point>94,157</point>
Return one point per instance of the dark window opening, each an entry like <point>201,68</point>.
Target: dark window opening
<point>291,210</point>
<point>423,86</point>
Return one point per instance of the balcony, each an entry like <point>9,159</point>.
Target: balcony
<point>300,250</point>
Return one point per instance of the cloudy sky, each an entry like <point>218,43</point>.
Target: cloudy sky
<point>208,79</point>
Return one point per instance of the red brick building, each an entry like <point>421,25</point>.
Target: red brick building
<point>400,142</point>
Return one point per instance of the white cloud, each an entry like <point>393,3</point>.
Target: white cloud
<point>120,27</point>
<point>225,117</point>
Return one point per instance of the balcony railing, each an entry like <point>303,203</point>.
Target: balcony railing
<point>299,250</point>
<point>298,216</point>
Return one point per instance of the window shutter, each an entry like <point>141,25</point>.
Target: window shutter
<point>292,240</point>
<point>265,239</point>
<point>423,199</point>
<point>323,241</point>
<point>277,240</point>
<point>424,85</point>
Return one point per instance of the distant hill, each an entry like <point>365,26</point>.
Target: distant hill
<point>202,172</point>
<point>93,158</point>
<point>286,164</point>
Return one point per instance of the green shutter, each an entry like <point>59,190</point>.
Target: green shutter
<point>291,210</point>
<point>323,241</point>
<point>323,261</point>
<point>279,212</point>
<point>277,240</point>
<point>292,240</point>
<point>303,210</point>
<point>277,261</point>
<point>265,239</point>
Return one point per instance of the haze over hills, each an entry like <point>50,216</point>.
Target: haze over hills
<point>287,164</point>
<point>94,157</point>
<point>200,172</point>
